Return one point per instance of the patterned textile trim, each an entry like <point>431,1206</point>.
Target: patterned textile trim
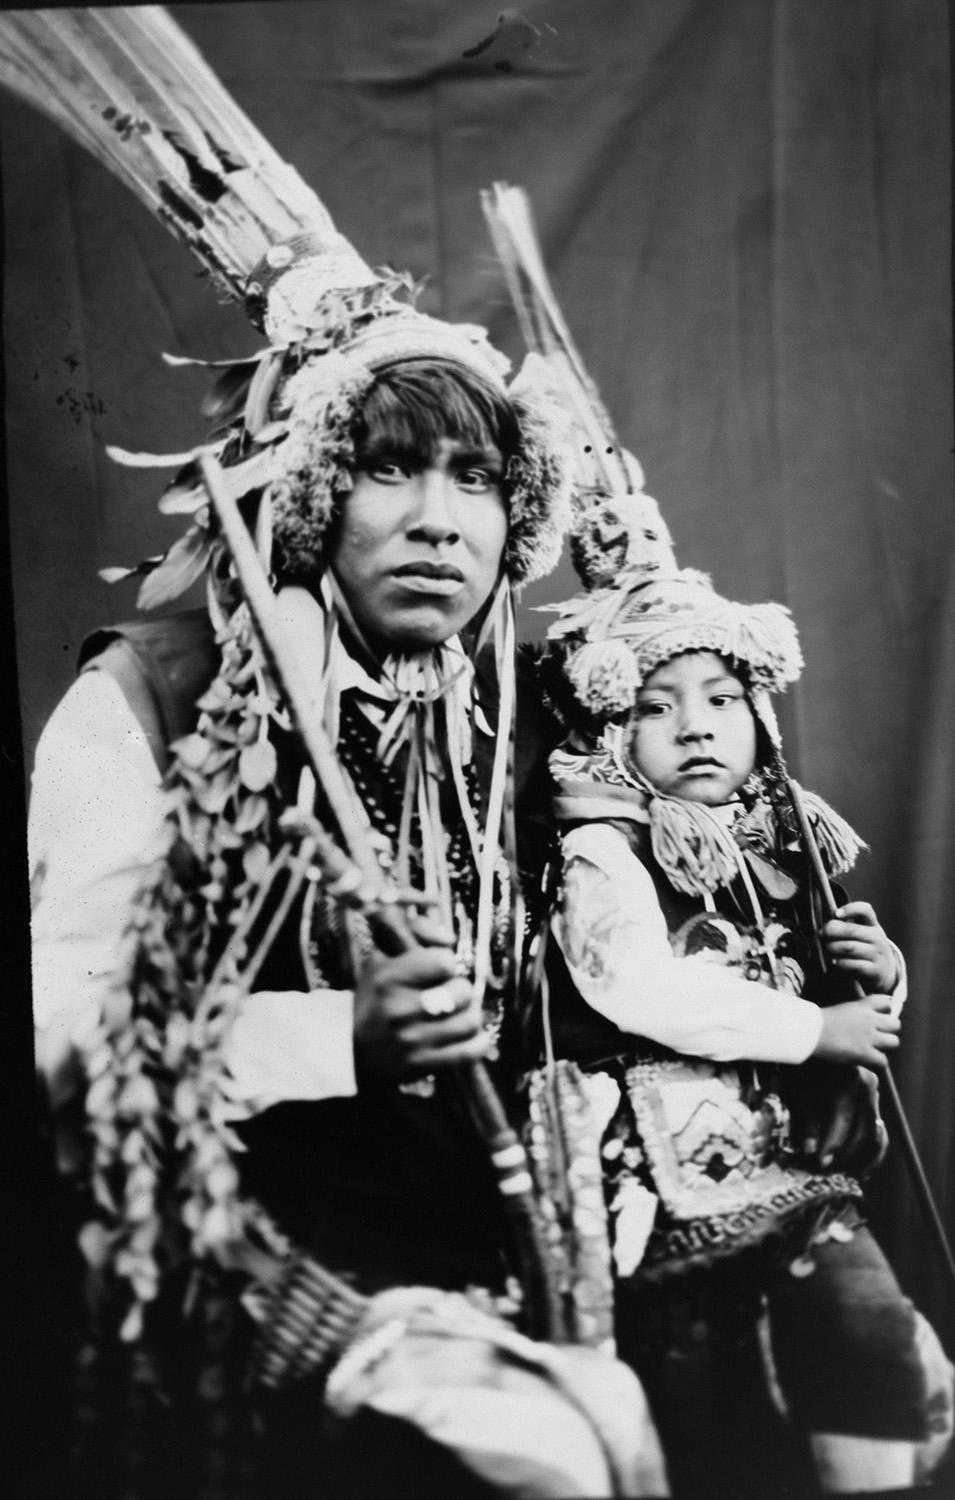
<point>722,1167</point>
<point>710,1152</point>
<point>676,1247</point>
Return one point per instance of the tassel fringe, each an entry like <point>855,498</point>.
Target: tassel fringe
<point>694,852</point>
<point>839,844</point>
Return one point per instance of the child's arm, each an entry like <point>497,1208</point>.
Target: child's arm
<point>859,1031</point>
<point>614,939</point>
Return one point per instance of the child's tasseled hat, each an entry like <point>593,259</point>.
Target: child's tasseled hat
<point>613,638</point>
<point>609,641</point>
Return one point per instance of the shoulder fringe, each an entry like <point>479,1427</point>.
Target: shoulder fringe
<point>698,855</point>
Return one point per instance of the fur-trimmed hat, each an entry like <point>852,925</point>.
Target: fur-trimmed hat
<point>318,402</point>
<point>285,424</point>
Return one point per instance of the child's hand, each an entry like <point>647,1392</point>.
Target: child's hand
<point>860,1031</point>
<point>857,945</point>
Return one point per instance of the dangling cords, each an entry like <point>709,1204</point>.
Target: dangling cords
<point>508,669</point>
<point>507,1154</point>
<point>433,847</point>
<point>501,773</point>
<point>306,804</point>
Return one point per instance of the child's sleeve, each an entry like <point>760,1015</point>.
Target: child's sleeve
<point>613,936</point>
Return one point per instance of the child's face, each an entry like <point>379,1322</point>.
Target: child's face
<point>692,732</point>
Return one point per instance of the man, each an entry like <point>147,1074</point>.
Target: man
<point>312,1110</point>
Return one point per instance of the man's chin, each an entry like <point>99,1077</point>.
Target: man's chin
<point>420,630</point>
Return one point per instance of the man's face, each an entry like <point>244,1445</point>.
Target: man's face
<point>693,734</point>
<point>419,545</point>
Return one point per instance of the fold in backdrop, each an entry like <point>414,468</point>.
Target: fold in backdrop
<point>745,207</point>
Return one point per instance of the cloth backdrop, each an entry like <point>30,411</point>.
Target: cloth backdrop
<point>744,205</point>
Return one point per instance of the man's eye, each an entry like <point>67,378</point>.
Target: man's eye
<point>477,481</point>
<point>387,471</point>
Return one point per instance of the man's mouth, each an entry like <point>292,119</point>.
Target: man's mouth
<point>425,569</point>
<point>425,577</point>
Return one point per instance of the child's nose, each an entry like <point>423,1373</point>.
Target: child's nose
<point>695,724</point>
<point>432,515</point>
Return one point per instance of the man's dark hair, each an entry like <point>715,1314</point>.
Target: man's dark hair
<point>413,405</point>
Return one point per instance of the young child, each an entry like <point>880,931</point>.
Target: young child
<point>687,922</point>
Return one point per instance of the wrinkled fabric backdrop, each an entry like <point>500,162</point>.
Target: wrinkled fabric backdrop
<point>745,207</point>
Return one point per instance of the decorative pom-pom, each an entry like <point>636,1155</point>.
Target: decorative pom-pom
<point>839,844</point>
<point>769,828</point>
<point>604,676</point>
<point>764,636</point>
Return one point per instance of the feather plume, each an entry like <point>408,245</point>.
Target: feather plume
<point>510,222</point>
<point>128,84</point>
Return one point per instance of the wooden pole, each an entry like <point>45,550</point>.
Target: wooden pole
<point>910,1153</point>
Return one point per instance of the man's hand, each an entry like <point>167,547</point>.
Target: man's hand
<point>859,1031</point>
<point>856,945</point>
<point>414,1015</point>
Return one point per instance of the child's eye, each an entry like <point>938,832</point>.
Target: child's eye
<point>652,710</point>
<point>723,700</point>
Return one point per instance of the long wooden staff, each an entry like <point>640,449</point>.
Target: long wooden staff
<point>385,916</point>
<point>910,1153</point>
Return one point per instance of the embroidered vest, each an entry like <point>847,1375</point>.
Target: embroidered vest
<point>703,1150</point>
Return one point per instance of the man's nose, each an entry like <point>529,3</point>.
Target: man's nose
<point>432,517</point>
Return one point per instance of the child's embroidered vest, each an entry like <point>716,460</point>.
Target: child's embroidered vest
<point>709,1142</point>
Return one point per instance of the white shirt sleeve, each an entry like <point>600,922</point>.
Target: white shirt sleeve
<point>613,936</point>
<point>97,826</point>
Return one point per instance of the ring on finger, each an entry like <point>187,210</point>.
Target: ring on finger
<point>438,1001</point>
